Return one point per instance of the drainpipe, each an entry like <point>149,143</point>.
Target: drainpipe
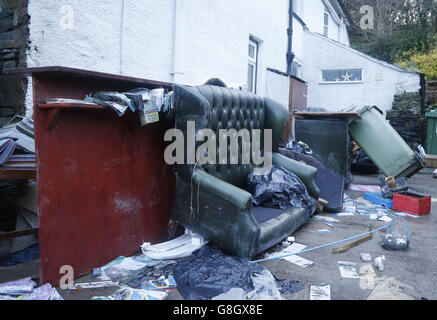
<point>290,54</point>
<point>179,42</point>
<point>422,92</point>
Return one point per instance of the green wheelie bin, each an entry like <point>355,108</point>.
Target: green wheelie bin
<point>431,137</point>
<point>384,146</point>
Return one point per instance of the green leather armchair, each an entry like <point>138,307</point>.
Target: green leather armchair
<point>211,199</point>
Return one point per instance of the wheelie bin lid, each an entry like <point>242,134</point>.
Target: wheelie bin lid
<point>431,114</point>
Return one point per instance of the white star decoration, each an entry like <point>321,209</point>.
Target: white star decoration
<point>347,77</point>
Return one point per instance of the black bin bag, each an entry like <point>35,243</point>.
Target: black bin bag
<point>279,188</point>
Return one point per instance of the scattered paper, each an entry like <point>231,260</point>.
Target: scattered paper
<point>385,218</point>
<point>97,284</point>
<point>366,257</point>
<point>345,214</point>
<point>403,214</point>
<point>348,270</point>
<point>295,247</point>
<point>161,283</point>
<point>130,264</point>
<point>320,292</point>
<point>363,188</point>
<point>18,287</point>
<point>134,294</point>
<point>323,218</point>
<point>299,261</point>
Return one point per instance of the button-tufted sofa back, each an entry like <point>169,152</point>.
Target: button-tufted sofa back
<point>218,108</point>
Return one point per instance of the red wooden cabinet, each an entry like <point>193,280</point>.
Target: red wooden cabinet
<point>103,185</point>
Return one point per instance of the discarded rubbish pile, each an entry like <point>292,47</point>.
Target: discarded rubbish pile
<point>212,199</point>
<point>138,278</point>
<point>331,184</point>
<point>147,276</point>
<point>17,145</point>
<point>376,146</point>
<point>209,274</point>
<point>148,103</point>
<point>25,290</point>
<point>279,188</point>
<point>299,146</point>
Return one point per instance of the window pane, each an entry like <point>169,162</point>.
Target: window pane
<point>250,77</point>
<point>251,51</point>
<point>326,19</point>
<point>342,75</point>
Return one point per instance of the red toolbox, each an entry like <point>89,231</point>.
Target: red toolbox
<point>414,203</point>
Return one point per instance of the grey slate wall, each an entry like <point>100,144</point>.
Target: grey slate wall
<point>14,35</point>
<point>405,118</point>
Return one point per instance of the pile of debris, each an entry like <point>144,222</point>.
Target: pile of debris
<point>17,145</point>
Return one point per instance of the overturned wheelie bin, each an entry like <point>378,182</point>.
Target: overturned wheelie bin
<point>384,146</point>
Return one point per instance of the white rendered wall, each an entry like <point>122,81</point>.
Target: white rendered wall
<point>381,81</point>
<point>138,43</point>
<point>138,39</point>
<point>95,40</point>
<point>278,88</point>
<point>218,37</point>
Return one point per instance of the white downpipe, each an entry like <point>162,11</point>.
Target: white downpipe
<point>179,42</point>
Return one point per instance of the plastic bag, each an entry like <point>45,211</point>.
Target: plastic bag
<point>137,294</point>
<point>265,287</point>
<point>209,273</point>
<point>398,236</point>
<point>299,146</point>
<point>279,188</point>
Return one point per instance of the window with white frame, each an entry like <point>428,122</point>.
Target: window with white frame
<point>326,22</point>
<point>342,75</point>
<point>252,66</point>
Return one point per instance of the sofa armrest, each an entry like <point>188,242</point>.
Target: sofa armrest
<point>276,119</point>
<point>304,172</point>
<point>208,183</point>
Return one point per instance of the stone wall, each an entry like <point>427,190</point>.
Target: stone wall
<point>14,34</point>
<point>405,118</point>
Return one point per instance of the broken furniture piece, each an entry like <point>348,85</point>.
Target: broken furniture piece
<point>331,184</point>
<point>327,133</point>
<point>211,199</point>
<point>103,188</point>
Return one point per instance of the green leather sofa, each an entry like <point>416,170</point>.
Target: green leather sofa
<point>211,199</point>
